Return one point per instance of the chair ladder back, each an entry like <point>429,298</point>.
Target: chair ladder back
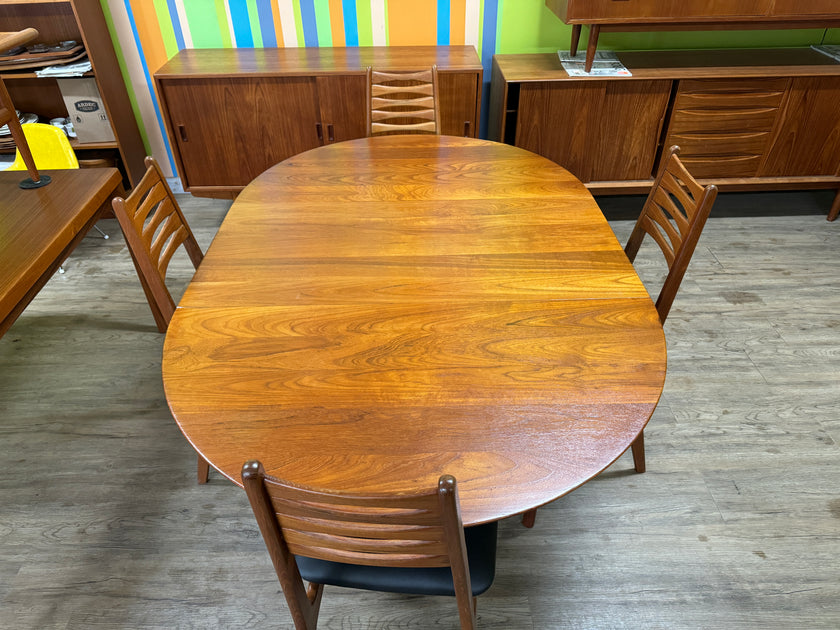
<point>420,530</point>
<point>403,102</point>
<point>373,530</point>
<point>673,215</point>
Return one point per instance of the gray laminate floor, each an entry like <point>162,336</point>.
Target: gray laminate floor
<point>736,524</point>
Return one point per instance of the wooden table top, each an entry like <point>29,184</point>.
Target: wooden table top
<point>37,226</point>
<point>377,312</point>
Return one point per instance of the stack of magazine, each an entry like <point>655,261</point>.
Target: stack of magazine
<point>606,64</point>
<point>832,50</point>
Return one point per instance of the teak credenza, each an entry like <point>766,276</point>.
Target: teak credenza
<point>232,113</point>
<point>673,15</point>
<point>744,119</point>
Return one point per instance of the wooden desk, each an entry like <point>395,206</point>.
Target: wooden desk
<point>377,312</point>
<point>39,228</point>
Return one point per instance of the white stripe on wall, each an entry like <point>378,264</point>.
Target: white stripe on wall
<point>287,23</point>
<point>472,25</point>
<point>185,25</point>
<point>230,25</point>
<point>377,18</point>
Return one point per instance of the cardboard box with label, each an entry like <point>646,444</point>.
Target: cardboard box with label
<point>86,109</point>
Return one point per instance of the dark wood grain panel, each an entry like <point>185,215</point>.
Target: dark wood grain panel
<point>806,140</point>
<point>614,126</point>
<point>662,10</point>
<point>716,120</point>
<point>459,103</point>
<point>792,8</point>
<point>720,143</point>
<point>718,166</point>
<point>341,98</point>
<point>229,131</point>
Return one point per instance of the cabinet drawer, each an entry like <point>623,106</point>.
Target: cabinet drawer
<point>666,10</point>
<point>722,166</point>
<point>724,120</point>
<point>716,94</point>
<point>731,144</point>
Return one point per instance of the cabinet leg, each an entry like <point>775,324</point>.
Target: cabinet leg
<point>835,207</point>
<point>575,39</point>
<point>594,31</point>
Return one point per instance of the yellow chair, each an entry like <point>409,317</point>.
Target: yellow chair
<point>50,148</point>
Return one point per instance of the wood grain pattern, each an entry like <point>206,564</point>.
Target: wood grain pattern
<point>617,125</point>
<point>420,318</point>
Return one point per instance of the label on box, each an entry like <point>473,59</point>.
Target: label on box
<point>86,110</point>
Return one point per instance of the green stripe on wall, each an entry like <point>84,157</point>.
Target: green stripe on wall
<point>254,20</point>
<point>322,20</point>
<point>167,31</point>
<point>365,24</point>
<point>301,38</point>
<point>204,25</point>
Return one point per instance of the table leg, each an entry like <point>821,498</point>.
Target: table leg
<point>594,31</point>
<point>835,207</point>
<point>575,39</point>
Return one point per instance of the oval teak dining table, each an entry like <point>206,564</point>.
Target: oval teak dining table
<point>375,313</point>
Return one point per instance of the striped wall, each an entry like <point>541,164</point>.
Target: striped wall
<point>148,32</point>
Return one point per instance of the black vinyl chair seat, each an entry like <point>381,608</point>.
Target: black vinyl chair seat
<point>481,555</point>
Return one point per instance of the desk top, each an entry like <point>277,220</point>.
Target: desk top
<point>37,225</point>
<point>377,312</point>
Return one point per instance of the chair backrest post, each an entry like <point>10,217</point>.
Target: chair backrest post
<point>454,532</point>
<point>304,604</point>
<point>676,231</point>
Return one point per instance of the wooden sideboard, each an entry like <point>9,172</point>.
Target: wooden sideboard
<point>745,119</point>
<point>648,15</point>
<point>232,113</point>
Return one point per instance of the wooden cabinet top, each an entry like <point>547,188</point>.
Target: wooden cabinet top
<point>315,61</point>
<point>680,64</point>
<point>665,12</point>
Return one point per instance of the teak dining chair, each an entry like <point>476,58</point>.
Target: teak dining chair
<point>154,228</point>
<point>396,543</point>
<point>403,102</point>
<point>673,215</point>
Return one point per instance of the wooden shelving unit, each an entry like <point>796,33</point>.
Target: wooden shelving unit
<point>83,21</point>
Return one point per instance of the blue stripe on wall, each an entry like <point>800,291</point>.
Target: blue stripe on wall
<point>351,25</point>
<point>241,23</point>
<point>443,22</point>
<point>269,35</point>
<point>148,76</point>
<point>176,24</point>
<point>310,25</point>
<point>488,49</point>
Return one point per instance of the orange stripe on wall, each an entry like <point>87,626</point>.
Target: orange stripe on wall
<point>278,29</point>
<point>457,22</point>
<point>148,30</point>
<point>412,23</point>
<point>337,23</point>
